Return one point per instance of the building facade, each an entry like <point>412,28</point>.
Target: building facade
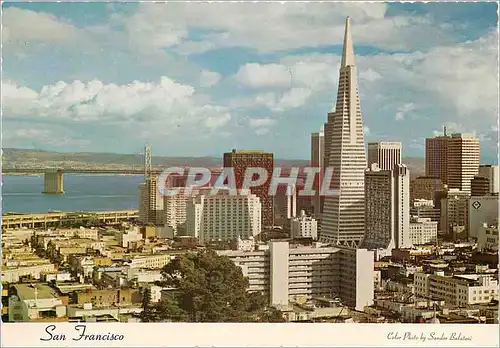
<point>491,172</point>
<point>387,208</point>
<point>481,210</point>
<point>423,231</point>
<point>480,186</point>
<point>463,161</point>
<point>425,187</point>
<point>150,203</point>
<point>343,220</point>
<point>223,217</point>
<point>436,157</point>
<point>487,238</point>
<point>386,154</point>
<point>459,290</point>
<point>318,161</point>
<point>304,226</point>
<point>286,273</point>
<point>454,210</point>
<point>240,161</point>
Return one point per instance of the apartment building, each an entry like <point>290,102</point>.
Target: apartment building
<point>458,290</point>
<point>223,217</point>
<point>304,227</point>
<point>289,273</point>
<point>240,160</point>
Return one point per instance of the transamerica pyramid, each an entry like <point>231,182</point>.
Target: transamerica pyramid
<point>343,215</point>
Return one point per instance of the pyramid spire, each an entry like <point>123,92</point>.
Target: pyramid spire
<point>348,52</point>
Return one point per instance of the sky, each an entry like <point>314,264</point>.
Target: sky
<point>201,79</point>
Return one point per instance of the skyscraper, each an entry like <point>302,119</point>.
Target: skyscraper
<point>344,214</point>
<point>463,161</point>
<point>387,209</point>
<point>240,161</point>
<point>150,202</point>
<point>386,154</point>
<point>317,161</point>
<point>436,157</point>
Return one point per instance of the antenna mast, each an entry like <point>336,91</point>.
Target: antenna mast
<point>147,161</point>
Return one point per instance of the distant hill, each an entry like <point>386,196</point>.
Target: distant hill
<point>22,158</point>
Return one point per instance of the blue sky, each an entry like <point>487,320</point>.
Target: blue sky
<point>201,79</point>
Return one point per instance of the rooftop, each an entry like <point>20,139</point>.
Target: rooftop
<point>27,291</point>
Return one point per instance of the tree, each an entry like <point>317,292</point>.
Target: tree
<point>208,288</point>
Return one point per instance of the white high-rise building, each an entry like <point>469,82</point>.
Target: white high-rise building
<point>175,207</point>
<point>291,202</point>
<point>386,154</point>
<point>387,208</point>
<point>223,217</point>
<point>344,214</point>
<point>287,273</point>
<point>490,172</point>
<point>318,161</point>
<point>304,227</point>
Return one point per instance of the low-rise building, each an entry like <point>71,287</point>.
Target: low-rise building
<point>14,274</point>
<point>155,261</point>
<point>32,302</point>
<point>458,290</point>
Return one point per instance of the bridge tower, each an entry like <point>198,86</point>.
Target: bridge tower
<point>147,162</point>
<point>53,182</point>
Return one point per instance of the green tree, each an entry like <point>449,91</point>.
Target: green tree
<point>209,288</point>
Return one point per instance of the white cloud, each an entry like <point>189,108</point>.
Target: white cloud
<point>261,126</point>
<point>275,101</point>
<point>366,130</point>
<point>209,78</point>
<point>40,137</point>
<point>276,27</point>
<point>369,75</point>
<point>261,122</point>
<point>403,110</point>
<point>293,98</point>
<point>259,76</point>
<point>24,27</point>
<point>449,82</point>
<point>166,102</point>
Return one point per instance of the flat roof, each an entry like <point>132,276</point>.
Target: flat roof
<point>27,291</point>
